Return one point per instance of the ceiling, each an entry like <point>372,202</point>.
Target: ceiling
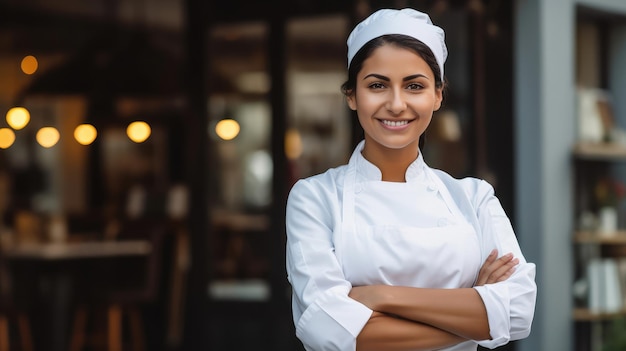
<point>88,32</point>
<point>44,27</point>
<point>59,24</point>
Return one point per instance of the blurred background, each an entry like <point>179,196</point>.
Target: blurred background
<point>147,148</point>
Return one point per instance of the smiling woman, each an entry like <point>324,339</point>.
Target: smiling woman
<point>386,253</point>
<point>394,106</point>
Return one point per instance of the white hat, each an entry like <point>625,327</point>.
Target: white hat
<point>407,22</point>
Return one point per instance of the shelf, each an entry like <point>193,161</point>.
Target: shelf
<point>586,315</point>
<point>617,238</point>
<point>600,151</point>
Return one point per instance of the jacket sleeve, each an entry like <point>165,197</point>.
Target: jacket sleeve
<point>510,304</point>
<point>324,316</point>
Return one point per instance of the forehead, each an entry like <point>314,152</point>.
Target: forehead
<point>391,59</point>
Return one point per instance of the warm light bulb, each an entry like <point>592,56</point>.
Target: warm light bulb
<point>47,136</point>
<point>7,137</point>
<point>18,117</point>
<point>85,134</point>
<point>29,64</point>
<point>227,129</point>
<point>138,131</point>
<point>293,144</point>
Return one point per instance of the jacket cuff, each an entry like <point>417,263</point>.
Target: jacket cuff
<point>496,299</point>
<point>332,322</point>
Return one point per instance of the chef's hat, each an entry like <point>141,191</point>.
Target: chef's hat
<point>407,22</point>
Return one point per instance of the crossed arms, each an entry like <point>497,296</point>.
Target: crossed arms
<point>407,318</point>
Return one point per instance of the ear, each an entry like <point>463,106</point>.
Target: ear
<point>351,99</point>
<point>438,99</point>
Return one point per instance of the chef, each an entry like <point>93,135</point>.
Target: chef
<point>385,253</point>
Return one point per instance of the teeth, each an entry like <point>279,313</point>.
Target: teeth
<point>395,123</point>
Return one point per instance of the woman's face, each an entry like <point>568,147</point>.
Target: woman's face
<point>394,97</point>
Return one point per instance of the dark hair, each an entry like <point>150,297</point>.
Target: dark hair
<point>402,41</point>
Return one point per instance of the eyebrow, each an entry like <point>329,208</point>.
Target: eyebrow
<point>386,79</point>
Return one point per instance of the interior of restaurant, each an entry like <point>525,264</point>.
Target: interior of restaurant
<point>149,146</point>
<point>197,198</point>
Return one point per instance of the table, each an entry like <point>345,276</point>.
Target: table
<point>78,250</point>
<point>56,266</point>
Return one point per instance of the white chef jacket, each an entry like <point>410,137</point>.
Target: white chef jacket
<point>347,228</point>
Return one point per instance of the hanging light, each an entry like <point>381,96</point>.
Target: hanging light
<point>47,136</point>
<point>227,129</point>
<point>293,144</point>
<point>29,64</point>
<point>7,138</point>
<point>138,131</point>
<point>85,134</point>
<point>18,117</point>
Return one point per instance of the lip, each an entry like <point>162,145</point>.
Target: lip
<point>397,124</point>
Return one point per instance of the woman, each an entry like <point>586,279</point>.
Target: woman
<point>385,253</point>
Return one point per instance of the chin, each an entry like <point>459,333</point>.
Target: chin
<point>398,144</point>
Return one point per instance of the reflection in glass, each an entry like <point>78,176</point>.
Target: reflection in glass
<point>254,121</point>
<point>258,178</point>
<point>242,169</point>
<point>293,144</point>
<point>240,183</point>
<point>319,131</point>
<point>227,129</point>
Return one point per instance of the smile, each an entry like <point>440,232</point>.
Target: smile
<point>394,123</point>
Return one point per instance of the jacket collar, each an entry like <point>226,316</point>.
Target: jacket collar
<point>367,171</point>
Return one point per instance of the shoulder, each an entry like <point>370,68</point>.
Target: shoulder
<point>328,183</point>
<point>476,189</point>
<point>328,179</point>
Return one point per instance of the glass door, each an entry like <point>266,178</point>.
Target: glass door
<point>319,123</point>
<point>254,99</point>
<point>240,176</point>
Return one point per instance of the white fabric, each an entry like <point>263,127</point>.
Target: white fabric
<point>345,227</point>
<point>407,21</point>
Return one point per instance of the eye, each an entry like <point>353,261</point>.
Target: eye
<point>376,85</point>
<point>414,86</point>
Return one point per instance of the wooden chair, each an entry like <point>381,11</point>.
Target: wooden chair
<point>11,311</point>
<point>126,302</point>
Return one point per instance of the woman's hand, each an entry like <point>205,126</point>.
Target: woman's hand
<point>496,270</point>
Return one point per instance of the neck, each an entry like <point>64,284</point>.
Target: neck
<point>392,163</point>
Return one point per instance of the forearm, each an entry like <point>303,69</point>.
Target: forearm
<point>384,332</point>
<point>457,311</point>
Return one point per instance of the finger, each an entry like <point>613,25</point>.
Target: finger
<point>502,261</point>
<point>491,266</point>
<point>497,268</point>
<point>485,269</point>
<point>503,272</point>
<point>506,275</point>
<point>492,257</point>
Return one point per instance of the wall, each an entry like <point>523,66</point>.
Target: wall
<point>617,81</point>
<point>545,130</point>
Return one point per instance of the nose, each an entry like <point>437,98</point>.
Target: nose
<point>396,103</point>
